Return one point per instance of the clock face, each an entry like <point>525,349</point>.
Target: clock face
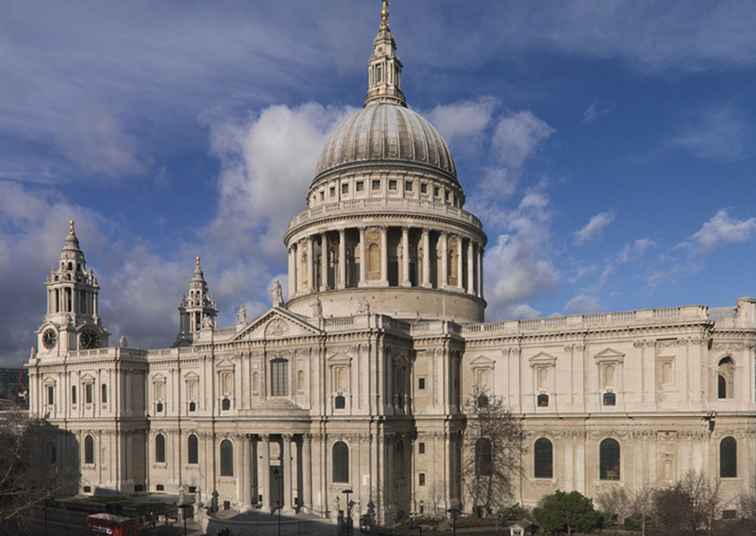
<point>88,340</point>
<point>49,338</point>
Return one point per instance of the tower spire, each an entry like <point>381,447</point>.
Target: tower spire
<point>384,68</point>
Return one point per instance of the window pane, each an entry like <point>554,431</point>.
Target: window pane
<point>227,458</point>
<point>728,458</point>
<point>159,448</point>
<point>89,450</point>
<point>609,453</point>
<point>279,375</point>
<point>193,450</point>
<point>340,462</point>
<point>543,458</point>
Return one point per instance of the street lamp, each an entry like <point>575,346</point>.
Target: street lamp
<point>349,506</point>
<point>454,512</point>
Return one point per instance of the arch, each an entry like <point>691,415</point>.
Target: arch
<point>543,458</point>
<point>340,455</point>
<point>192,449</point>
<point>482,401</point>
<point>89,457</point>
<point>226,458</point>
<point>609,459</point>
<point>160,448</point>
<point>726,378</point>
<point>543,400</point>
<point>728,458</point>
<point>483,457</point>
<point>340,402</point>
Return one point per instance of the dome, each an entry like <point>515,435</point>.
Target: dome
<point>386,132</point>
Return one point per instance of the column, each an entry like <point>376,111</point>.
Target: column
<point>287,470</point>
<point>460,273</point>
<point>324,261</point>
<point>306,494</point>
<point>264,469</point>
<point>405,258</point>
<point>363,258</point>
<point>295,461</point>
<point>384,255</point>
<point>312,284</point>
<point>443,276</point>
<point>292,278</point>
<point>480,270</point>
<point>341,282</point>
<point>470,267</point>
<point>426,259</point>
<point>243,494</point>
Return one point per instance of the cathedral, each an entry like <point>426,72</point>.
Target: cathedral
<point>356,380</point>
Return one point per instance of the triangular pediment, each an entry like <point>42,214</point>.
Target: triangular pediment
<point>482,362</point>
<point>609,354</point>
<point>276,323</point>
<point>543,358</point>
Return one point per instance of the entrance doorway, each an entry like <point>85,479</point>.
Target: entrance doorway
<point>276,486</point>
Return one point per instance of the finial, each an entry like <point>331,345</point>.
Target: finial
<point>385,15</point>
<point>197,265</point>
<point>71,227</point>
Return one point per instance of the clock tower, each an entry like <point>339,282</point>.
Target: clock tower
<point>72,321</point>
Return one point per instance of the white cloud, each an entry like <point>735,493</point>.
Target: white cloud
<point>717,134</point>
<point>517,138</point>
<point>594,227</point>
<point>583,304</point>
<point>594,111</point>
<point>518,262</point>
<point>722,230</point>
<point>462,120</point>
<point>634,250</point>
<point>268,164</point>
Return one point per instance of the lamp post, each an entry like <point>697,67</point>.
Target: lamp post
<point>349,506</point>
<point>279,507</point>
<point>454,512</point>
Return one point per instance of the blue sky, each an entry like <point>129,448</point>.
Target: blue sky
<point>607,145</point>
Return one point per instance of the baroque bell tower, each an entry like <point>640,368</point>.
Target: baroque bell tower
<point>196,307</point>
<point>72,320</point>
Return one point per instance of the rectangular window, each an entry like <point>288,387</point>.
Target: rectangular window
<point>421,448</point>
<point>421,479</point>
<point>50,395</point>
<point>359,186</point>
<point>421,384</point>
<point>392,185</point>
<point>376,185</point>
<point>104,395</point>
<point>345,188</point>
<point>408,186</point>
<point>322,195</point>
<point>436,191</point>
<point>333,191</point>
<point>88,393</point>
<point>73,395</point>
<point>279,377</point>
<point>424,188</point>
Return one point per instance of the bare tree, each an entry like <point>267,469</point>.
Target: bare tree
<point>616,502</point>
<point>642,505</point>
<point>30,469</point>
<point>493,452</point>
<point>688,507</point>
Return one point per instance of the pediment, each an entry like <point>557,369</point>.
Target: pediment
<point>482,362</point>
<point>225,364</point>
<point>340,357</point>
<point>543,359</point>
<point>277,323</point>
<point>609,354</point>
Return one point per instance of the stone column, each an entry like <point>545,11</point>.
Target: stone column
<point>480,271</point>
<point>264,468</point>
<point>312,284</point>
<point>363,258</point>
<point>426,282</point>
<point>443,276</point>
<point>470,267</point>
<point>244,473</point>
<point>384,256</point>
<point>296,460</point>
<point>460,273</point>
<point>341,283</point>
<point>405,258</point>
<point>292,279</point>
<point>324,262</point>
<point>286,466</point>
<point>306,494</point>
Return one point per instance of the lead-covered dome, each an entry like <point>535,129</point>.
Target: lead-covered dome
<point>385,132</point>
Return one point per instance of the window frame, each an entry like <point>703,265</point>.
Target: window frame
<point>340,471</point>
<point>226,454</point>
<point>540,471</point>
<point>604,466</point>
<point>160,449</point>
<point>728,467</point>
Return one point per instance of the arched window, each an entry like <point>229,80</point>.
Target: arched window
<point>225,404</point>
<point>609,460</point>
<point>192,448</point>
<point>543,459</point>
<point>279,377</point>
<point>340,402</point>
<point>728,458</point>
<point>340,462</point>
<point>725,378</point>
<point>483,401</point>
<point>543,400</point>
<point>226,458</point>
<point>483,457</point>
<point>89,450</point>
<point>160,448</point>
<point>609,399</point>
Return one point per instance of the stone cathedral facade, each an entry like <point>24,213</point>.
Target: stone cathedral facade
<point>358,380</point>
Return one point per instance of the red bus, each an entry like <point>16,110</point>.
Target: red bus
<point>112,525</point>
